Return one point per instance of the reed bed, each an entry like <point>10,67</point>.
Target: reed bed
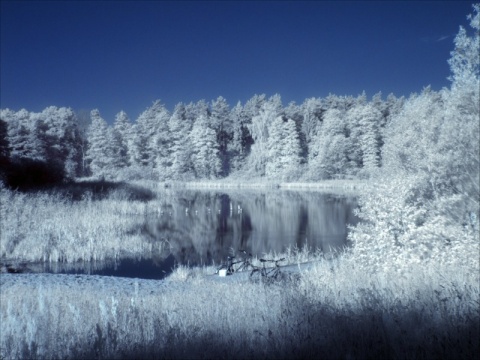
<point>54,228</point>
<point>334,310</point>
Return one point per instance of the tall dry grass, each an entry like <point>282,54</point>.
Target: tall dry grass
<point>334,310</point>
<point>52,227</point>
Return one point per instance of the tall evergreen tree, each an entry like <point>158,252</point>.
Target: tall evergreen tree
<point>205,155</point>
<point>328,155</point>
<point>364,123</point>
<point>239,147</point>
<point>150,144</point>
<point>63,139</point>
<point>269,111</point>
<point>180,150</point>
<point>123,139</point>
<point>99,152</point>
<point>274,166</point>
<point>222,124</point>
<point>18,133</point>
<point>292,151</point>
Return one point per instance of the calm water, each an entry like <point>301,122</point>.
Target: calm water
<point>202,227</point>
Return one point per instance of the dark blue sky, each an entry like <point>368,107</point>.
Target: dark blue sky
<point>123,55</point>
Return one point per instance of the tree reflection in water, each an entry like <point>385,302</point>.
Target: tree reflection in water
<point>203,226</point>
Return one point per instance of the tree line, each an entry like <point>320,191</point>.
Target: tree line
<point>322,138</point>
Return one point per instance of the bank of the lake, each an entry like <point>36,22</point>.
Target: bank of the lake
<point>231,183</point>
<point>199,223</point>
<point>331,310</point>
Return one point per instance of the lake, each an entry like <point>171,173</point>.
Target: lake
<point>203,227</point>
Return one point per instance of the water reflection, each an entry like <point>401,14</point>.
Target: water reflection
<point>202,227</point>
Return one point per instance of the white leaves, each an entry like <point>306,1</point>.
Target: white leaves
<point>465,59</point>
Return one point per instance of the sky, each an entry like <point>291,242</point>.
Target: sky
<point>123,55</point>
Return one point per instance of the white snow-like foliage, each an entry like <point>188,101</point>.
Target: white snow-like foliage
<point>206,155</point>
<point>283,150</point>
<point>193,315</point>
<point>465,58</point>
<point>426,206</point>
<point>258,128</point>
<point>328,149</point>
<point>51,136</point>
<point>100,152</point>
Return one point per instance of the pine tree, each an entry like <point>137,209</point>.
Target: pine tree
<point>239,147</point>
<point>222,124</point>
<point>123,138</point>
<point>269,111</point>
<point>40,146</point>
<point>328,156</point>
<point>150,143</point>
<point>364,121</point>
<point>18,133</point>
<point>292,151</point>
<point>274,166</point>
<point>284,150</point>
<point>63,139</point>
<point>205,156</point>
<point>312,113</point>
<point>180,149</point>
<point>99,152</point>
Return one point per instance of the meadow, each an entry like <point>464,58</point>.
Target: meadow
<point>337,308</point>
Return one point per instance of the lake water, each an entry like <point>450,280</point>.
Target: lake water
<point>203,227</point>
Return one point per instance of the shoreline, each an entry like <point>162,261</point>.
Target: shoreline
<point>324,185</point>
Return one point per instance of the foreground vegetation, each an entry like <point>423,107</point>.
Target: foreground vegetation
<point>368,302</point>
<point>336,309</point>
<point>378,300</point>
<point>408,288</point>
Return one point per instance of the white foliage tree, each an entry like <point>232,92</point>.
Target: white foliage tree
<point>150,138</point>
<point>258,128</point>
<point>328,154</point>
<point>364,120</point>
<point>312,113</point>
<point>428,207</point>
<point>63,138</point>
<point>222,124</point>
<point>100,151</point>
<point>50,136</point>
<point>18,132</point>
<point>205,154</point>
<point>274,161</point>
<point>292,151</point>
<point>284,151</point>
<point>465,58</point>
<point>123,137</point>
<point>180,150</point>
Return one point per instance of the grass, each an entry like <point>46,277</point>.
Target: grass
<point>73,225</point>
<point>334,310</point>
<point>337,308</point>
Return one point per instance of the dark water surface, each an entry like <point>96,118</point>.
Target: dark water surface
<point>203,227</point>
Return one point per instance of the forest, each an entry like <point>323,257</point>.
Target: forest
<point>420,154</point>
<point>338,136</point>
<point>407,287</point>
<point>432,132</point>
